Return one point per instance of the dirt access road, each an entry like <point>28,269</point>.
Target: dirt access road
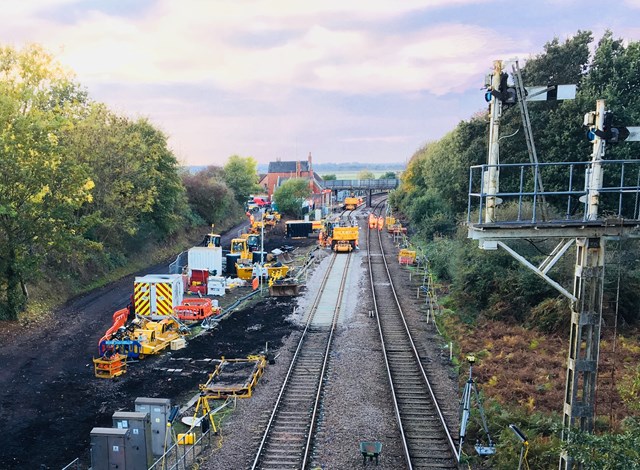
<point>50,399</point>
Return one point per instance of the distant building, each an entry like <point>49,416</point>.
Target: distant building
<point>280,171</point>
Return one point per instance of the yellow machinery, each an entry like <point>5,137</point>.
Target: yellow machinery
<point>271,219</point>
<point>256,227</point>
<point>110,366</point>
<point>240,247</point>
<point>155,336</point>
<point>231,378</point>
<point>212,239</point>
<point>350,203</point>
<point>342,246</point>
<point>136,340</point>
<point>253,241</point>
<point>279,286</point>
<point>316,225</point>
<point>247,272</point>
<point>234,378</point>
<point>244,272</point>
<point>339,238</point>
<point>344,239</point>
<point>275,214</point>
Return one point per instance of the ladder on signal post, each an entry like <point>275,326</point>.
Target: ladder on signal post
<point>528,132</point>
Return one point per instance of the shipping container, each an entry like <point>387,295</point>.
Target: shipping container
<point>298,229</point>
<point>205,258</point>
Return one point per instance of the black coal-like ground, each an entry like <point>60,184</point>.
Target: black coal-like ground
<point>62,411</point>
<point>50,399</point>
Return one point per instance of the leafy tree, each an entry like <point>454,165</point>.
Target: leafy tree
<point>241,175</point>
<point>329,177</point>
<point>290,195</point>
<point>139,196</point>
<point>629,388</point>
<point>169,208</point>
<point>607,451</point>
<point>389,175</point>
<point>209,196</point>
<point>365,175</point>
<point>41,187</point>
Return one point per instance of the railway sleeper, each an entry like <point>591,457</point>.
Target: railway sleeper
<point>415,419</point>
<point>411,379</point>
<point>281,452</point>
<point>429,455</point>
<point>421,444</point>
<point>415,398</point>
<point>430,465</point>
<point>280,464</point>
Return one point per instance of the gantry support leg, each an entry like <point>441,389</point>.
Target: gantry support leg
<point>584,341</point>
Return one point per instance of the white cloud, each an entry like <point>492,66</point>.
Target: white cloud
<point>172,60</point>
<point>201,42</point>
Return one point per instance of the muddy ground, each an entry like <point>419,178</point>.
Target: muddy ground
<point>50,399</point>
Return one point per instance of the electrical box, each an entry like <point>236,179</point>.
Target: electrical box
<point>158,410</point>
<point>139,451</point>
<point>216,285</point>
<point>488,80</point>
<point>109,449</point>
<point>589,119</point>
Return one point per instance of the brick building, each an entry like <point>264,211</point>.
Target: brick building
<point>280,171</point>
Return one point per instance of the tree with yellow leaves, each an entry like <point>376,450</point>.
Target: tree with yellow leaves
<point>40,186</point>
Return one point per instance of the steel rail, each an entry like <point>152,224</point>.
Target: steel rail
<point>405,444</point>
<point>294,361</point>
<point>336,314</point>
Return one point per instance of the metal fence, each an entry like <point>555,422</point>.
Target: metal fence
<point>563,194</point>
<point>75,465</point>
<point>183,456</point>
<point>178,265</point>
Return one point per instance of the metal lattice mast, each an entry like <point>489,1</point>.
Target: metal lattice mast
<point>586,312</point>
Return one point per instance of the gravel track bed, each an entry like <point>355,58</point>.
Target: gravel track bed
<point>356,403</point>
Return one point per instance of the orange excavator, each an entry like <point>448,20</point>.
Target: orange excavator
<point>119,319</point>
<point>111,363</point>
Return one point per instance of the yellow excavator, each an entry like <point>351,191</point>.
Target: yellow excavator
<point>239,246</point>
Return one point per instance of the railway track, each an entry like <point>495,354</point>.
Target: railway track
<point>426,440</point>
<point>287,439</point>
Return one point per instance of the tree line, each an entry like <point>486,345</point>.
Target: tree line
<point>83,188</point>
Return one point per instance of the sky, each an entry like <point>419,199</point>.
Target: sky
<point>366,81</point>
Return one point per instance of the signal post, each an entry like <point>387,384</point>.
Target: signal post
<point>588,230</point>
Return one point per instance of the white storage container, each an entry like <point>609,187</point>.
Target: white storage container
<point>205,258</point>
